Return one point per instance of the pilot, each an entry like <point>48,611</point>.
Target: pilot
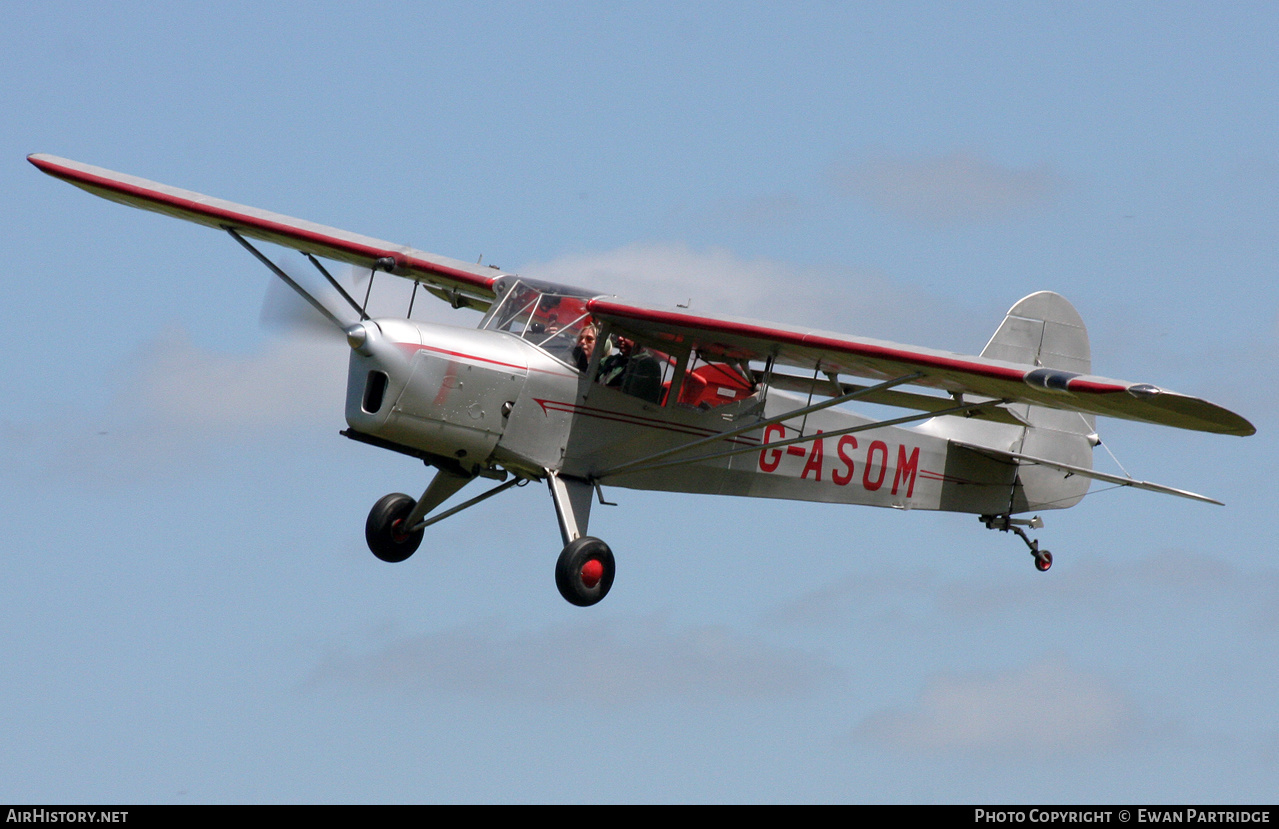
<point>632,370</point>
<point>517,305</point>
<point>552,326</point>
<point>585,345</point>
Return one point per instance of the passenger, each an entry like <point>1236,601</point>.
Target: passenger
<point>632,370</point>
<point>585,345</point>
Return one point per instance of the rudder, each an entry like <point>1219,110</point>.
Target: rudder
<point>1043,329</point>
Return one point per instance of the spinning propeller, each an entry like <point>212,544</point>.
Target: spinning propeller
<point>284,310</point>
<point>275,309</point>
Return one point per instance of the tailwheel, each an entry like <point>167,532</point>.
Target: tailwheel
<point>1006,523</point>
<point>385,532</point>
<point>584,572</point>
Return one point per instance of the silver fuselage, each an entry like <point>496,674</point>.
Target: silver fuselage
<point>486,399</point>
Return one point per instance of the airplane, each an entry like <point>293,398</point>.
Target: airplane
<point>574,389</point>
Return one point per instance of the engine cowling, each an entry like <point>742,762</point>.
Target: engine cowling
<point>438,389</point>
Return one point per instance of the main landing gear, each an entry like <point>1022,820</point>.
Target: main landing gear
<point>1006,523</point>
<point>396,523</point>
<point>585,569</point>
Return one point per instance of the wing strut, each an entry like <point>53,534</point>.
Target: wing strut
<point>349,299</point>
<point>750,427</point>
<point>275,269</point>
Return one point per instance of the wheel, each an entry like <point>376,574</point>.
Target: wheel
<point>383,528</point>
<point>584,572</point>
<point>1043,560</point>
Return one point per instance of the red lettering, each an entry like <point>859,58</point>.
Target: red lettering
<point>814,460</point>
<point>876,483</point>
<point>765,463</point>
<point>906,466</point>
<point>846,442</point>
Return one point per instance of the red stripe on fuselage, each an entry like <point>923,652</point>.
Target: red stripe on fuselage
<point>415,347</point>
<point>636,420</point>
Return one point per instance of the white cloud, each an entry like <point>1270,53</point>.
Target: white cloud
<point>958,188</point>
<point>840,298</point>
<point>667,274</point>
<point>176,406</point>
<point>1047,707</point>
<point>861,596</point>
<point>1174,581</point>
<point>762,212</point>
<point>179,384</point>
<point>611,661</point>
<point>1177,583</point>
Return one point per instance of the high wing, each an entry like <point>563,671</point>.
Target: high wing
<point>956,374</point>
<point>458,282</point>
<point>464,284</point>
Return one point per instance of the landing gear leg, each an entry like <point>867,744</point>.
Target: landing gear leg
<point>393,529</point>
<point>1006,523</point>
<point>585,569</point>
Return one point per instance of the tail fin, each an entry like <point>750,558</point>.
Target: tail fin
<point>1043,329</point>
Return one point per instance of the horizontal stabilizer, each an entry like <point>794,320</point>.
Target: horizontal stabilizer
<point>1070,469</point>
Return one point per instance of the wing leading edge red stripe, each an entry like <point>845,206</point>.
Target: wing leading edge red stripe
<point>277,226</point>
<point>855,349</point>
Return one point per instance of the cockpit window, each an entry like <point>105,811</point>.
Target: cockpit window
<point>554,319</point>
<point>515,313</point>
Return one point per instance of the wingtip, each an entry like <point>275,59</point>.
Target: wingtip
<point>42,161</point>
<point>1236,425</point>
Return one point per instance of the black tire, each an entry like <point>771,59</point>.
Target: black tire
<point>576,587</point>
<point>1043,561</point>
<point>381,530</point>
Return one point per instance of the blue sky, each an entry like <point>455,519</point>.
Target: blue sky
<point>190,613</point>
